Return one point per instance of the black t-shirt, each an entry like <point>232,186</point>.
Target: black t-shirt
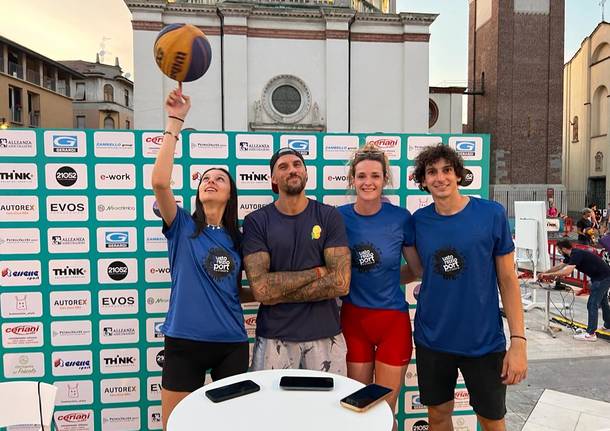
<point>589,263</point>
<point>583,225</point>
<point>296,243</point>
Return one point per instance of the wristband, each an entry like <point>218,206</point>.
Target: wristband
<point>167,132</point>
<point>176,118</point>
<point>518,336</point>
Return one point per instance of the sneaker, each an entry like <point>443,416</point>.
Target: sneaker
<point>583,336</point>
<point>603,328</point>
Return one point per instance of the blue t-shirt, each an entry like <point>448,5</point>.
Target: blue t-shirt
<point>376,243</point>
<point>296,243</point>
<point>204,300</point>
<point>458,308</point>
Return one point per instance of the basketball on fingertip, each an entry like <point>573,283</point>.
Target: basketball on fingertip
<point>182,52</point>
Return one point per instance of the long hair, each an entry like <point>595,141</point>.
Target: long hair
<point>229,217</point>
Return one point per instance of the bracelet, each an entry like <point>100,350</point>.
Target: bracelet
<point>176,118</point>
<point>518,336</point>
<point>167,132</point>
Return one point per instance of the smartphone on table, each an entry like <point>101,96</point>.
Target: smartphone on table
<point>233,390</point>
<point>365,398</point>
<point>306,383</point>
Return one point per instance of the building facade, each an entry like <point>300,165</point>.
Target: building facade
<point>310,67</point>
<point>104,98</point>
<point>445,109</point>
<point>586,145</point>
<point>35,91</point>
<point>515,61</point>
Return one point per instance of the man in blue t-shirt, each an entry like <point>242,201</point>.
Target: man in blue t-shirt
<point>599,273</point>
<point>297,262</point>
<point>463,251</point>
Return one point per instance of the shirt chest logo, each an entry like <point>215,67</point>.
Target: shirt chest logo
<point>448,263</point>
<point>316,231</point>
<point>365,256</point>
<point>219,263</point>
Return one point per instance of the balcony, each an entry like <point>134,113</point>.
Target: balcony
<point>15,70</point>
<point>333,3</point>
<point>32,76</point>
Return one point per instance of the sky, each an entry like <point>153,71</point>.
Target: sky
<point>78,29</point>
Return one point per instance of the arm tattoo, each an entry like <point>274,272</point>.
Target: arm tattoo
<point>273,287</point>
<point>332,285</point>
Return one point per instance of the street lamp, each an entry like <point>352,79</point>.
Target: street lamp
<point>3,124</point>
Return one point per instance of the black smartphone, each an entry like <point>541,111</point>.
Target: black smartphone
<point>365,398</point>
<point>233,390</point>
<point>301,383</point>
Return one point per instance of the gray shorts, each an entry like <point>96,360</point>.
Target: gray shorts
<point>326,354</point>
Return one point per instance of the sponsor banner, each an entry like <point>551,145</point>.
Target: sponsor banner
<point>114,144</point>
<point>253,146</point>
<point>253,177</point>
<point>413,403</point>
<point>473,176</point>
<point>411,375</point>
<point>416,424</point>
<point>73,392</point>
<point>469,147</point>
<point>74,420</point>
<point>151,142</point>
<point>153,388</point>
<point>115,177</point>
<point>68,240</point>
<point>461,400</point>
<point>156,270</point>
<point>70,303</point>
<point>175,181</point>
<point>209,146</point>
<point>153,329</point>
<point>415,202</point>
<point>116,239</point>
<point>19,208</point>
<point>61,176</point>
<point>75,271</point>
<point>416,144</point>
<point>111,271</point>
<point>119,331</point>
<point>154,240</point>
<point>250,323</point>
<point>247,204</point>
<point>312,178</point>
<point>115,208</point>
<point>464,423</point>
<point>411,184</point>
<point>336,177</point>
<point>154,418</point>
<point>395,177</point>
<point>123,419</point>
<point>23,365</point>
<point>20,241</point>
<point>114,361</point>
<point>20,273</point>
<point>390,145</point>
<point>118,301</point>
<point>72,363</point>
<point>65,143</point>
<point>22,334</point>
<point>67,208</point>
<point>409,292</point>
<point>18,176</point>
<point>17,143</point>
<point>307,145</point>
<point>157,300</point>
<point>393,199</point>
<point>338,200</point>
<point>20,304</point>
<point>71,333</point>
<point>124,390</point>
<point>155,357</point>
<point>340,147</point>
<point>151,209</point>
<point>196,171</point>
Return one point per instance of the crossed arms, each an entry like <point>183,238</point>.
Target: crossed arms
<point>315,284</point>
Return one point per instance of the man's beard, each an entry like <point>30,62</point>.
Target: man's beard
<point>296,189</point>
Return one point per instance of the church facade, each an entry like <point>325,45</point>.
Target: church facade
<point>306,67</point>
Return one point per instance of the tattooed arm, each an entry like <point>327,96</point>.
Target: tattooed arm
<point>272,287</point>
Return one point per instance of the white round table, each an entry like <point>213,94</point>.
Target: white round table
<point>275,409</point>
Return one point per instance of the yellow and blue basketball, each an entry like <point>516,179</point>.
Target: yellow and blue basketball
<point>182,52</point>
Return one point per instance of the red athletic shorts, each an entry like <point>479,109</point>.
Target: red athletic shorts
<point>376,335</point>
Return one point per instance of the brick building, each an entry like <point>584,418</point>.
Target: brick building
<point>515,71</point>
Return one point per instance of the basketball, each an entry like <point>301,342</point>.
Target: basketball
<point>182,52</point>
